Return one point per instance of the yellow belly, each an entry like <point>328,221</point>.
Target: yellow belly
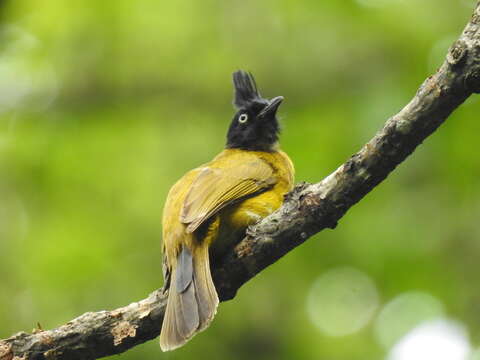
<point>235,219</point>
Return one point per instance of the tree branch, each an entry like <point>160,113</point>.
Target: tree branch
<point>308,209</point>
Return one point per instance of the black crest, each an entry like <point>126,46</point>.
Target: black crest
<point>255,125</point>
<point>246,92</point>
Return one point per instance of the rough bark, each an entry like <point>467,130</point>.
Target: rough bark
<point>308,209</point>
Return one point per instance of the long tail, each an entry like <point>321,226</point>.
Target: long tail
<point>192,299</point>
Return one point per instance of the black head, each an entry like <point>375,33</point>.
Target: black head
<point>255,125</point>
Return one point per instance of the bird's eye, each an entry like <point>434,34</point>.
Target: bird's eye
<point>243,118</point>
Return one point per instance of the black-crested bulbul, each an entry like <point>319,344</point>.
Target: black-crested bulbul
<point>209,208</point>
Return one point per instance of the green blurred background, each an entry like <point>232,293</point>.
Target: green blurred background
<point>105,104</point>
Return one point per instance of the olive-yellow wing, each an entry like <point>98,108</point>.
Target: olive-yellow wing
<point>220,185</point>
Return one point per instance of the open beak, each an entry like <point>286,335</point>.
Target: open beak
<point>272,107</point>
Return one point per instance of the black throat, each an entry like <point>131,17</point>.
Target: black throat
<point>264,138</point>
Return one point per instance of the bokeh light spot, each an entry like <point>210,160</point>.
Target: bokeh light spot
<point>435,340</point>
<point>342,301</point>
<point>403,313</point>
<point>26,80</point>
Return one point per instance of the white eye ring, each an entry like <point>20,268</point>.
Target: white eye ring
<point>243,118</point>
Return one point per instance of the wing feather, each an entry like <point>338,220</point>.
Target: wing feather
<point>217,187</point>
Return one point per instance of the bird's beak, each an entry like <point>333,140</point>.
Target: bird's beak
<point>272,107</point>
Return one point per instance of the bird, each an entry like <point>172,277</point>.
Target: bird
<point>209,209</point>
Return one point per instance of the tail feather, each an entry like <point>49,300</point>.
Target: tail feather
<point>206,294</point>
<point>192,302</point>
<point>170,338</point>
<point>186,312</point>
<point>181,318</point>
